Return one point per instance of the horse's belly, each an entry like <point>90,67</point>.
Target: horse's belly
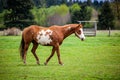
<point>43,37</point>
<point>44,40</point>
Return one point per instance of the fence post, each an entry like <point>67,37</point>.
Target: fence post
<point>95,24</point>
<point>109,32</point>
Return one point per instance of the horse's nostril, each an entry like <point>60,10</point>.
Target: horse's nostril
<point>82,39</point>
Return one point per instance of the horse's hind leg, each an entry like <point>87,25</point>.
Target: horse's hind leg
<point>25,52</point>
<point>35,45</point>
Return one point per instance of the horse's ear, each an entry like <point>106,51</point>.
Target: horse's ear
<point>79,25</point>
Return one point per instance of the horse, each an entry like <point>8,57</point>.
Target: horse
<point>51,36</point>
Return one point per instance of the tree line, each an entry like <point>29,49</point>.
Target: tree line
<point>22,13</point>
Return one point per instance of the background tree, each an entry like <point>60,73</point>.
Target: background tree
<point>80,13</point>
<point>20,15</point>
<point>95,4</point>
<point>75,13</point>
<point>63,1</point>
<point>89,2</point>
<point>37,3</point>
<point>54,15</point>
<point>40,16</point>
<point>58,15</point>
<point>106,17</point>
<point>51,2</point>
<point>116,8</point>
<point>1,6</point>
<point>85,13</point>
<point>70,2</point>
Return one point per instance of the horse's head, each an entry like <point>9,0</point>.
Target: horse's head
<point>79,32</point>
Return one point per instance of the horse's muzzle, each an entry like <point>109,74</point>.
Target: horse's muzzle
<point>82,39</point>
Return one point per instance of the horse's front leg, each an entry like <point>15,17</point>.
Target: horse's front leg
<point>52,53</point>
<point>58,55</point>
<point>35,45</point>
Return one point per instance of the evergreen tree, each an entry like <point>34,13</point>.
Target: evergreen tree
<point>116,7</point>
<point>63,1</point>
<point>20,15</point>
<point>70,2</point>
<point>1,7</point>
<point>75,13</point>
<point>3,4</point>
<point>101,3</point>
<point>82,13</point>
<point>51,2</point>
<point>37,3</point>
<point>89,2</point>
<point>85,13</point>
<point>96,4</point>
<point>106,17</point>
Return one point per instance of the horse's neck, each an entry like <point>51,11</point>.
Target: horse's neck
<point>68,31</point>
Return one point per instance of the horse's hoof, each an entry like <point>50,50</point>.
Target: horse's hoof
<point>24,63</point>
<point>38,63</point>
<point>62,64</point>
<point>45,63</point>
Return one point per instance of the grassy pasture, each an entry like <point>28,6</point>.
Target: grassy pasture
<point>96,58</point>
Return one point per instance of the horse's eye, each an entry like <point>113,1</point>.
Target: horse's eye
<point>78,31</point>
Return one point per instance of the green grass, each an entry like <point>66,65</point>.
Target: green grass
<point>96,58</point>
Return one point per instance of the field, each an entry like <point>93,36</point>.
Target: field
<point>96,58</point>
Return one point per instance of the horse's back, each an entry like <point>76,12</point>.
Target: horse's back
<point>32,29</point>
<point>29,32</point>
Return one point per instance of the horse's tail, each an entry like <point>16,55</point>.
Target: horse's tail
<point>21,48</point>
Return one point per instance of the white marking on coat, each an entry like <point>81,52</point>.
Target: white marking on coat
<point>81,36</point>
<point>69,28</point>
<point>43,37</point>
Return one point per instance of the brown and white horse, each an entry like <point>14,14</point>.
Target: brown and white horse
<point>52,36</point>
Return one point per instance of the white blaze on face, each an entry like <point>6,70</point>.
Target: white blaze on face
<point>81,36</point>
<point>43,37</point>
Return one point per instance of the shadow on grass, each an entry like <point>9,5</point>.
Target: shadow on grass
<point>34,65</point>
